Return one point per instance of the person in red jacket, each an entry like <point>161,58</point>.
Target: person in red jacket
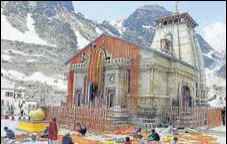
<point>127,140</point>
<point>53,131</point>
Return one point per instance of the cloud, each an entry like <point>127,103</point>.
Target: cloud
<point>215,35</point>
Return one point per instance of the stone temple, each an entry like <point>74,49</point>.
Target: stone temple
<point>115,72</point>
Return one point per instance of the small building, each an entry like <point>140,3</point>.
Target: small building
<point>10,93</point>
<point>115,72</point>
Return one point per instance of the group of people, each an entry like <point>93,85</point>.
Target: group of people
<point>51,133</point>
<point>154,136</point>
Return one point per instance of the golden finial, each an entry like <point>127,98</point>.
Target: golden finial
<point>176,9</point>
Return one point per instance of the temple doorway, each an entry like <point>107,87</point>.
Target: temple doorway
<point>110,98</point>
<point>79,99</point>
<point>186,97</point>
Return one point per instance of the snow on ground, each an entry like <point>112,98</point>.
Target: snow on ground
<point>221,139</point>
<point>81,40</point>
<point>218,102</point>
<point>6,57</point>
<point>8,32</point>
<point>221,128</point>
<point>37,76</point>
<point>21,53</point>
<point>16,75</point>
<point>212,78</point>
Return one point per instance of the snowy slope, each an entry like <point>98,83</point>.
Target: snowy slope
<point>37,76</point>
<point>118,24</point>
<point>6,57</point>
<point>8,32</point>
<point>5,83</point>
<point>216,97</point>
<point>81,40</point>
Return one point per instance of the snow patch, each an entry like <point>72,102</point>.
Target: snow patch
<point>37,76</point>
<point>31,60</point>
<point>98,31</point>
<point>16,75</point>
<point>6,57</point>
<point>4,72</point>
<point>20,88</point>
<point>148,26</point>
<point>219,102</point>
<point>118,25</point>
<point>5,83</point>
<point>8,32</point>
<point>81,40</point>
<point>212,78</point>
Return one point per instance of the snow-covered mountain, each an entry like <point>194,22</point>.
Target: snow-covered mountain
<point>37,37</point>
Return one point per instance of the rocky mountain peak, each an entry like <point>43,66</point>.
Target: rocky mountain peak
<point>145,15</point>
<point>152,8</point>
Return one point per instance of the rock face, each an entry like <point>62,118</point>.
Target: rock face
<point>139,26</point>
<point>66,31</point>
<point>222,71</point>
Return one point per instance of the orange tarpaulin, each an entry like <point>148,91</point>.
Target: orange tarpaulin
<point>79,140</point>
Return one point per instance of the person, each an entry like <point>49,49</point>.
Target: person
<point>67,139</point>
<point>141,140</point>
<point>82,129</point>
<point>154,136</point>
<point>53,131</point>
<point>45,133</point>
<point>34,138</point>
<point>136,133</point>
<point>223,115</point>
<point>9,133</point>
<point>127,140</point>
<point>175,140</point>
<point>22,107</point>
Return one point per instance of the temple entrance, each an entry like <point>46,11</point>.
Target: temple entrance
<point>94,91</point>
<point>186,97</point>
<point>79,99</point>
<point>110,98</point>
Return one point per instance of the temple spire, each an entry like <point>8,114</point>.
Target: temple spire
<point>176,9</point>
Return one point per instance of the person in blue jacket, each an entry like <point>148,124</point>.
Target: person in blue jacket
<point>45,133</point>
<point>9,133</point>
<point>67,139</point>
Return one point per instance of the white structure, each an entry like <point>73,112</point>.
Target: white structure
<point>10,94</point>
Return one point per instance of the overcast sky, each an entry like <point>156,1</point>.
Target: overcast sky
<point>210,15</point>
